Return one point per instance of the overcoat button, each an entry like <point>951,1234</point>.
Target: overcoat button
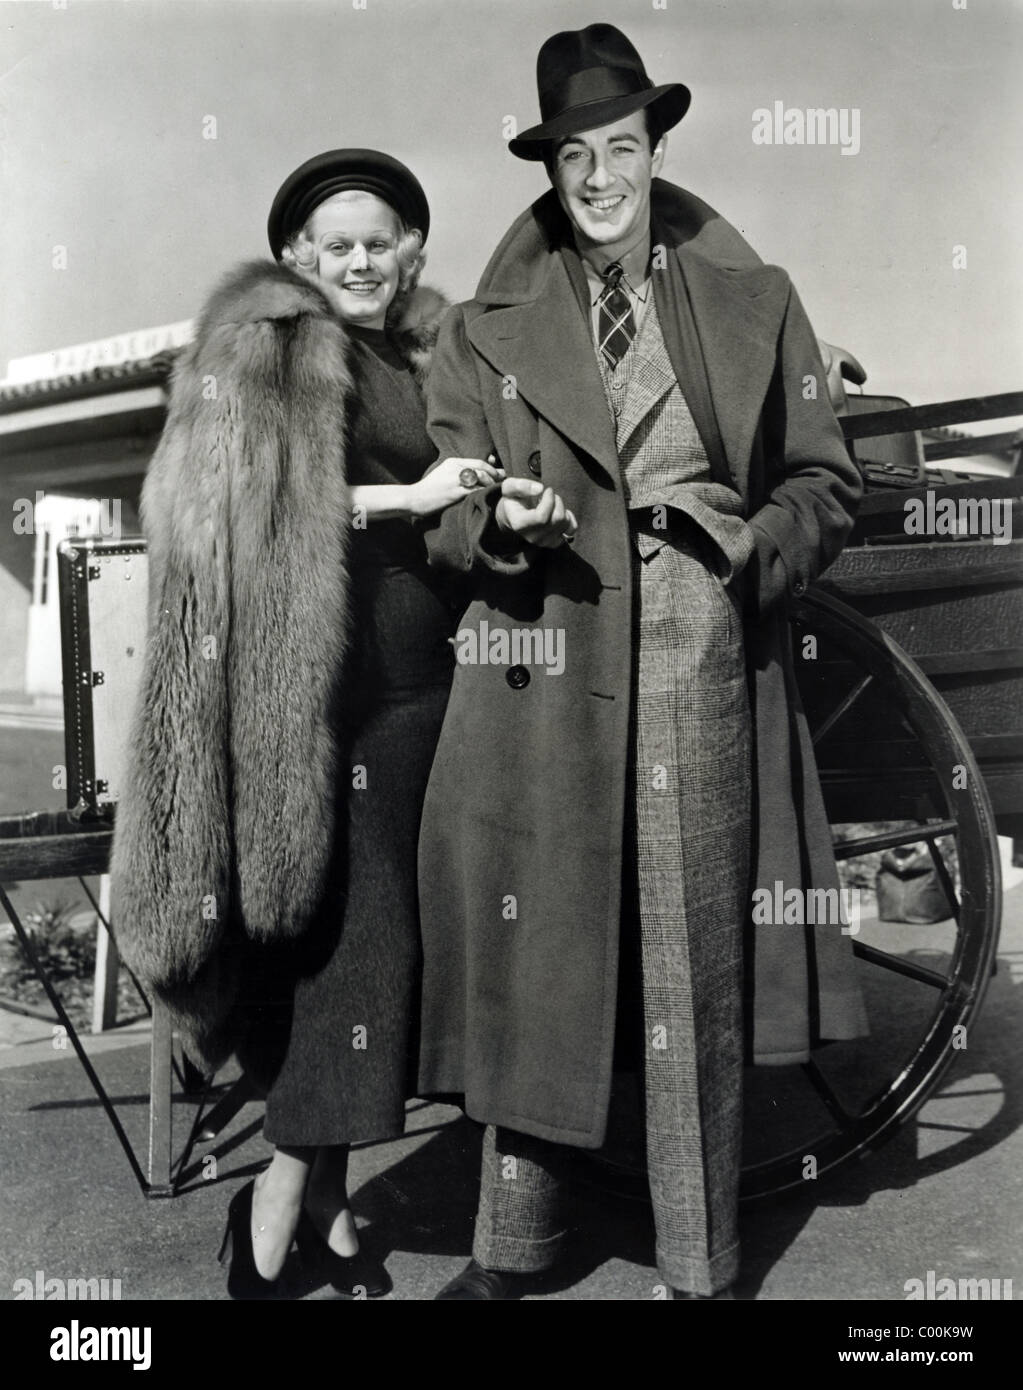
<point>799,588</point>
<point>533,463</point>
<point>517,677</point>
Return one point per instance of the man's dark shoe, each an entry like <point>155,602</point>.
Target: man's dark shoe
<point>476,1283</point>
<point>723,1294</point>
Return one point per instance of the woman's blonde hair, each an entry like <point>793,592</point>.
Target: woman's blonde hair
<point>299,252</point>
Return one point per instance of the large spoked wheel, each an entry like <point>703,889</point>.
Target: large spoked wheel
<point>895,769</point>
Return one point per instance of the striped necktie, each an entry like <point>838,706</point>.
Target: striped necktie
<point>616,323</point>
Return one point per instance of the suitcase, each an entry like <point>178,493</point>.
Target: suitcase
<point>102,586</point>
<point>888,460</point>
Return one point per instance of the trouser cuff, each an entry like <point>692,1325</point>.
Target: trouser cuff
<point>513,1255</point>
<point>697,1274</point>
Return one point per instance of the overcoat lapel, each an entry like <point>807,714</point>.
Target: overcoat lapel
<point>535,343</point>
<point>682,343</point>
<point>738,315</point>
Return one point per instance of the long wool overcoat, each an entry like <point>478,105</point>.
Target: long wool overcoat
<point>225,826</point>
<point>522,837</point>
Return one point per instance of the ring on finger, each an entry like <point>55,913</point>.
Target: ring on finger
<point>469,478</point>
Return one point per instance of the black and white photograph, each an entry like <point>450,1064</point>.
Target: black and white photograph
<point>511,666</point>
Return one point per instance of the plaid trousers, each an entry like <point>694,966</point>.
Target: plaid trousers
<point>688,853</point>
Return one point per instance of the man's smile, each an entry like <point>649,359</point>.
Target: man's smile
<point>605,204</point>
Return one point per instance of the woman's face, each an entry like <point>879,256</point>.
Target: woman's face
<point>356,239</point>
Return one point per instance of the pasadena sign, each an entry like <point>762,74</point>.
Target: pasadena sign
<point>102,352</point>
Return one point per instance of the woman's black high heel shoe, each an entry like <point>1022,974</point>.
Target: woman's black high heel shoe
<point>351,1274</point>
<point>243,1278</point>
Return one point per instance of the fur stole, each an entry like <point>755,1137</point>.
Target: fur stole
<point>225,826</point>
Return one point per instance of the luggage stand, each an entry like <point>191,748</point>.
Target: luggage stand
<point>49,844</point>
<point>103,587</point>
<point>52,844</point>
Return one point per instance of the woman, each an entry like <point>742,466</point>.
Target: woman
<point>296,675</point>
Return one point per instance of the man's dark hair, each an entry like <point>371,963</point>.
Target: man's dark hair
<point>654,131</point>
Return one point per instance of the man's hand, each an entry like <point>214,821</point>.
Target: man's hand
<point>534,513</point>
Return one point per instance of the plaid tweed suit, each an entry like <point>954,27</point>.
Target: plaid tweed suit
<point>687,851</point>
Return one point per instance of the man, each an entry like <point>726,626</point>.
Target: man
<point>657,400</point>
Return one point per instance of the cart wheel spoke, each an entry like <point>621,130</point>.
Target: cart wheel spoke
<point>910,969</point>
<point>869,844</point>
<point>842,709</point>
<point>826,1091</point>
<point>945,878</point>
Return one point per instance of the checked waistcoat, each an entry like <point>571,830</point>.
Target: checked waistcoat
<point>642,391</point>
<point>664,467</point>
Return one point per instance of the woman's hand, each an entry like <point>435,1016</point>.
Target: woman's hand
<point>449,481</point>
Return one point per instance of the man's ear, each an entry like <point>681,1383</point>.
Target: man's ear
<point>657,159</point>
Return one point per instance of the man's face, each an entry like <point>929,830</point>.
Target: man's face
<point>603,180</point>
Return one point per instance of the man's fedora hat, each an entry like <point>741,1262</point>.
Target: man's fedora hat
<point>588,78</point>
<point>337,171</point>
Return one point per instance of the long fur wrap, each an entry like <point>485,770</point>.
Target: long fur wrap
<point>225,824</point>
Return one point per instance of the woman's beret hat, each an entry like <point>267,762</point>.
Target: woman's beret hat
<point>337,171</point>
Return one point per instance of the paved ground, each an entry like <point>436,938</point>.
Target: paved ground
<point>946,1195</point>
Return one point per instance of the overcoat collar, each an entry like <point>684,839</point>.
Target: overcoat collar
<point>533,326</point>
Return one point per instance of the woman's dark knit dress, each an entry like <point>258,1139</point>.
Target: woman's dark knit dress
<point>330,1021</point>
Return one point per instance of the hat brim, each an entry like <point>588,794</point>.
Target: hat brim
<point>672,102</point>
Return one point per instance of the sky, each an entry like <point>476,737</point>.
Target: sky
<point>104,150</point>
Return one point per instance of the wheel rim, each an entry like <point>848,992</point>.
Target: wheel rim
<point>966,818</point>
